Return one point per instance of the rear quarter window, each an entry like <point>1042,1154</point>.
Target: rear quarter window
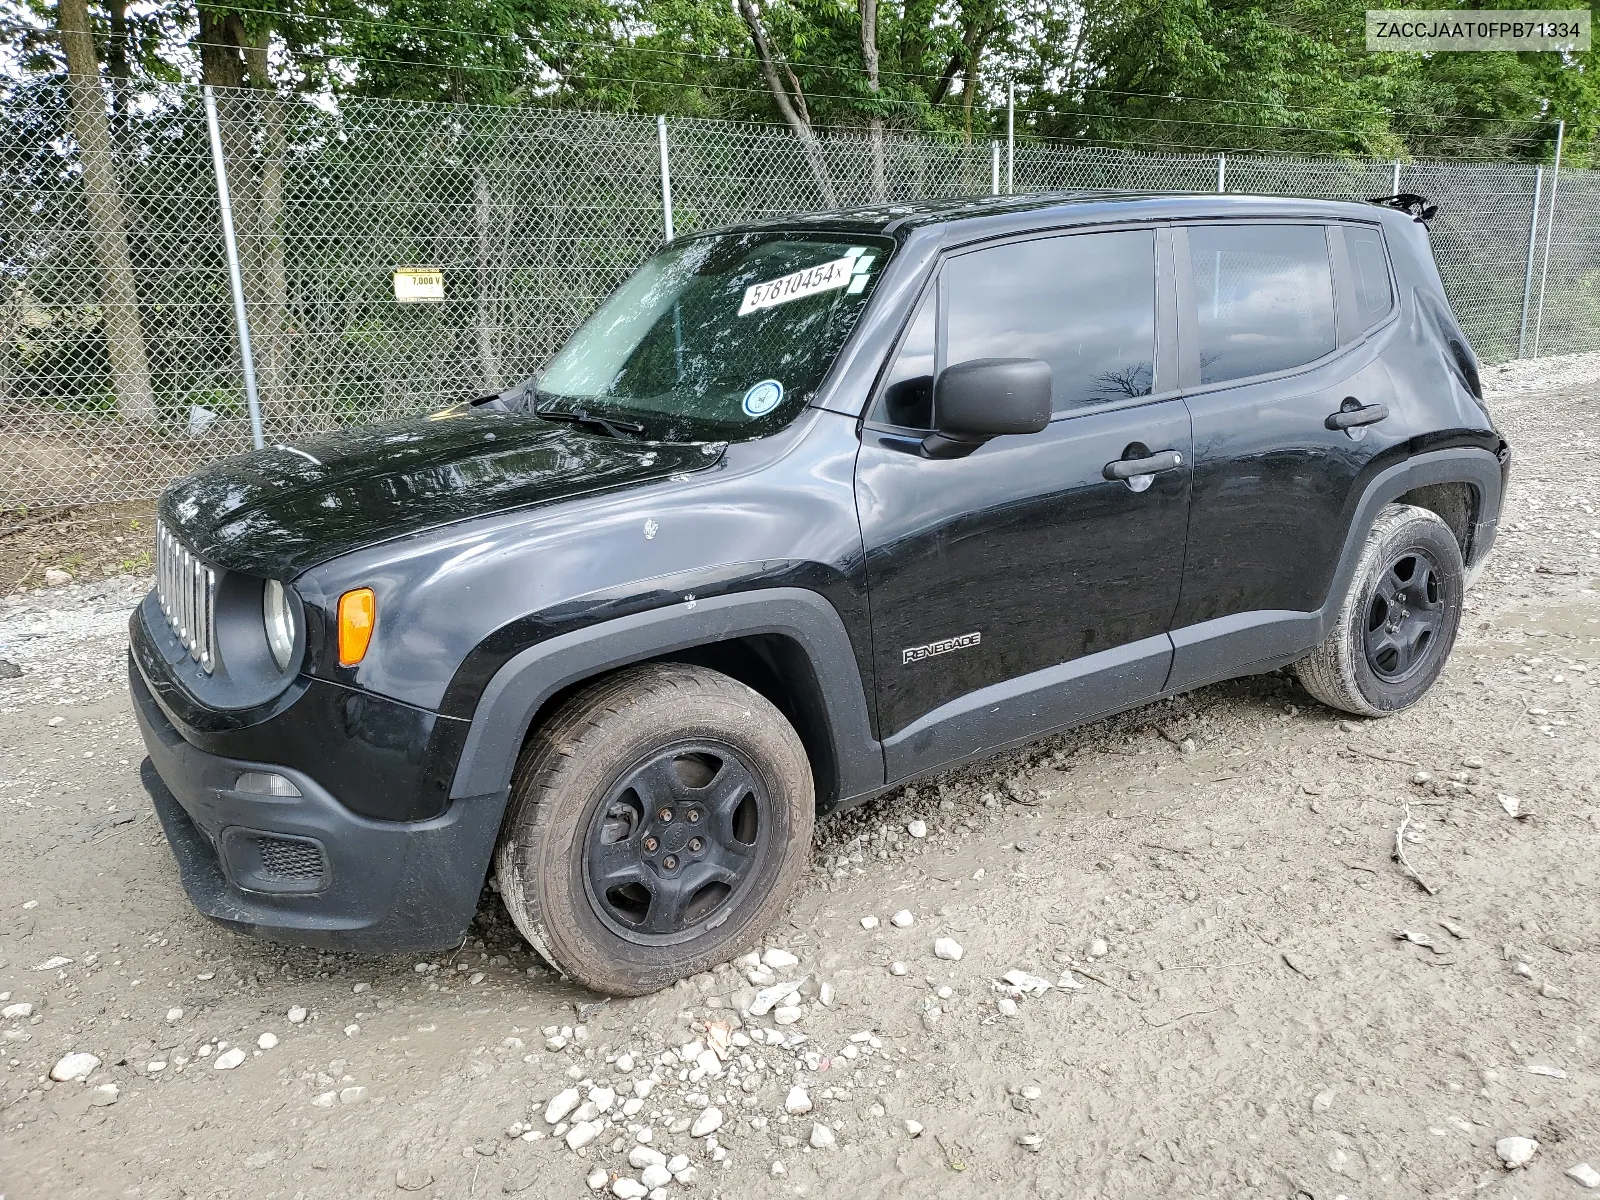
<point>1369,270</point>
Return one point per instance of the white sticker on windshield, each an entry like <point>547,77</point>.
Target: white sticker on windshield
<point>763,398</point>
<point>794,286</point>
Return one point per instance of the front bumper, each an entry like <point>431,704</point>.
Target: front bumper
<point>306,869</point>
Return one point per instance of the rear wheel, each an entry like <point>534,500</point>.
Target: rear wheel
<point>1397,625</point>
<point>659,821</point>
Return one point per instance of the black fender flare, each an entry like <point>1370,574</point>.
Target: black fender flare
<point>1248,643</point>
<point>506,709</point>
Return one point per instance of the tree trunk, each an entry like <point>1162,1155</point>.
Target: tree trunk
<point>869,60</point>
<point>969,85</point>
<point>483,205</point>
<point>797,118</point>
<point>270,333</point>
<point>119,68</point>
<point>108,220</point>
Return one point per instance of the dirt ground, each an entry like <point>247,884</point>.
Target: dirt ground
<point>1253,1025</point>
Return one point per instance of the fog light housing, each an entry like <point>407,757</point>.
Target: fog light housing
<point>265,783</point>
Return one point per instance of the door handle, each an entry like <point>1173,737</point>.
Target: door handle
<point>1353,414</point>
<point>1125,469</point>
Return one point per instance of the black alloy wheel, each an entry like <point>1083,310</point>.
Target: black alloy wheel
<point>675,842</point>
<point>1405,616</point>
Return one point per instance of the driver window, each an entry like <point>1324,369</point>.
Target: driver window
<point>907,396</point>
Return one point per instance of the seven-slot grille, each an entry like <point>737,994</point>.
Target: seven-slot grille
<point>187,590</point>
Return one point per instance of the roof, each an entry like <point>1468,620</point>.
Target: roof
<point>1060,207</point>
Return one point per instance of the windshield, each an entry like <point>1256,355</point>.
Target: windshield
<point>720,338</point>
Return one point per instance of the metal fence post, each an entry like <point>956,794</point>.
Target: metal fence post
<point>1527,275</point>
<point>994,167</point>
<point>240,320</point>
<point>1549,234</point>
<point>1222,173</point>
<point>1394,183</point>
<point>1011,137</point>
<point>666,176</point>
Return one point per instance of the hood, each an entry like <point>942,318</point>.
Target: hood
<point>275,513</point>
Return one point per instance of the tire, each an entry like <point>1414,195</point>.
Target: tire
<point>659,821</point>
<point>1406,595</point>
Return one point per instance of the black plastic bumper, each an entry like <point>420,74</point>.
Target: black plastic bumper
<point>306,869</point>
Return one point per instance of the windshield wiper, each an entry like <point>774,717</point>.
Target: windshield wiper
<point>617,429</point>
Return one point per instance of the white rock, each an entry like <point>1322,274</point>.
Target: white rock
<point>1322,1101</point>
<point>788,1014</point>
<point>677,1163</point>
<point>914,1128</point>
<point>628,1189</point>
<point>228,1059</point>
<point>688,1175</point>
<point>631,1106</point>
<point>583,1133</point>
<point>1511,804</point>
<point>1516,1151</point>
<point>898,968</point>
<point>54,963</point>
<point>174,1014</point>
<point>587,1111</point>
<point>602,1098</point>
<point>17,1012</point>
<point>869,922</point>
<point>267,1041</point>
<point>822,1137</point>
<point>325,1100</point>
<point>297,1014</point>
<point>903,919</point>
<point>561,1104</point>
<point>1586,1175</point>
<point>825,995</point>
<point>797,1101</point>
<point>776,1170</point>
<point>1028,985</point>
<point>641,1157</point>
<point>353,1095</point>
<point>948,949</point>
<point>1007,1006</point>
<point>155,1066</point>
<point>767,998</point>
<point>56,577</point>
<point>709,1121</point>
<point>1098,948</point>
<point>779,960</point>
<point>1069,981</point>
<point>654,1176</point>
<point>351,1030</point>
<point>624,1062</point>
<point>105,1094</point>
<point>596,1179</point>
<point>918,828</point>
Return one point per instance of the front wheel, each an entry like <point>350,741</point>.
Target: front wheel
<point>660,820</point>
<point>1398,623</point>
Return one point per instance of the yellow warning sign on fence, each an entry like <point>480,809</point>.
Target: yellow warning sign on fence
<point>416,284</point>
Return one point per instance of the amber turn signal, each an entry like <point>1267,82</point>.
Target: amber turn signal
<point>358,612</point>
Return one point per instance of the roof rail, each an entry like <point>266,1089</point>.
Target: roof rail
<point>1409,202</point>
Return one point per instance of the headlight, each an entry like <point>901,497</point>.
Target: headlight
<point>279,620</point>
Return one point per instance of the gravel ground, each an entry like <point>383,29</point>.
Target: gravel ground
<point>1247,994</point>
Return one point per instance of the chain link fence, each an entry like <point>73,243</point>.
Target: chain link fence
<point>531,216</point>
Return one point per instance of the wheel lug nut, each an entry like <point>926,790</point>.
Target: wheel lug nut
<point>695,844</point>
<point>650,844</point>
<point>665,816</point>
<point>669,862</point>
<point>694,815</point>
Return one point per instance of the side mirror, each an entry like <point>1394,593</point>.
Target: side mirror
<point>987,398</point>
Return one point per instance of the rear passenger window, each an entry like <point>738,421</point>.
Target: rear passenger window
<point>1085,304</point>
<point>1264,298</point>
<point>1370,266</point>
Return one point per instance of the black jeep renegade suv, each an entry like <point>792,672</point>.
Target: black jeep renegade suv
<point>805,510</point>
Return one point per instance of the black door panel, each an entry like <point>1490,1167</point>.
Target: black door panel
<point>1025,543</point>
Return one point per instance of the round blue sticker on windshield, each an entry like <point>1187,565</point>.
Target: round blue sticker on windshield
<point>763,398</point>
